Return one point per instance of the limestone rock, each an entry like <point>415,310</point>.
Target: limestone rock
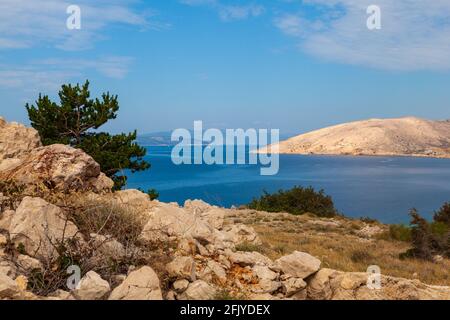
<point>59,167</point>
<point>38,225</point>
<point>16,140</point>
<point>198,290</point>
<point>182,268</point>
<point>8,287</point>
<point>108,246</point>
<point>214,217</point>
<point>264,272</point>
<point>141,284</point>
<point>28,263</point>
<point>91,287</point>
<point>293,285</point>
<point>5,219</point>
<point>196,206</point>
<point>213,271</point>
<point>298,264</point>
<point>61,295</point>
<point>180,285</point>
<point>249,258</point>
<point>167,220</point>
<point>240,233</point>
<point>319,286</point>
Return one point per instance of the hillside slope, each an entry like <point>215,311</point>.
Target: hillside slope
<point>392,137</point>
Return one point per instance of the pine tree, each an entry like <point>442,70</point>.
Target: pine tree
<point>75,121</point>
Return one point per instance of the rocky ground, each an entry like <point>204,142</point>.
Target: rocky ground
<point>58,214</point>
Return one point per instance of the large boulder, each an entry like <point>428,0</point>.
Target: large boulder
<point>16,140</point>
<point>298,264</point>
<point>58,167</point>
<point>141,284</point>
<point>39,226</point>
<point>91,287</point>
<point>169,221</point>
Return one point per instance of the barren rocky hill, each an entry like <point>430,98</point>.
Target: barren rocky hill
<point>59,215</point>
<point>392,137</point>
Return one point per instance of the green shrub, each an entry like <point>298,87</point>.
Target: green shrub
<point>443,214</point>
<point>428,238</point>
<point>400,232</point>
<point>297,201</point>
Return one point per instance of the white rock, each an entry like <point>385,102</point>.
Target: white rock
<point>298,264</point>
<point>91,287</point>
<point>28,263</point>
<point>141,284</point>
<point>267,286</point>
<point>180,285</point>
<point>198,290</point>
<point>16,140</point>
<point>248,258</point>
<point>167,220</point>
<point>240,233</point>
<point>8,287</point>
<point>5,219</point>
<point>214,217</point>
<point>292,286</point>
<point>196,206</point>
<point>108,246</point>
<point>39,225</point>
<point>213,271</point>
<point>60,167</point>
<point>264,272</point>
<point>61,295</point>
<point>182,268</point>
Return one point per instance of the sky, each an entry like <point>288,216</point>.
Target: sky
<point>288,64</point>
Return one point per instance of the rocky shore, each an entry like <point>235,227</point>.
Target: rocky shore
<point>58,212</point>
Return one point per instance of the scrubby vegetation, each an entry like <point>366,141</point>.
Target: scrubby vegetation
<point>297,201</point>
<point>429,239</point>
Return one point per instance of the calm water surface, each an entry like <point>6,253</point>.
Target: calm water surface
<point>384,188</point>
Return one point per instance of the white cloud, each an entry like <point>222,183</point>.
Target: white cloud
<point>28,23</point>
<point>49,74</point>
<point>229,12</point>
<point>415,35</point>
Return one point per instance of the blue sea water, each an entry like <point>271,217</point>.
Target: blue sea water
<point>384,188</point>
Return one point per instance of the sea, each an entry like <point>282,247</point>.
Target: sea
<point>382,188</point>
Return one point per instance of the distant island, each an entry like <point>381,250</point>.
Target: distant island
<point>408,136</point>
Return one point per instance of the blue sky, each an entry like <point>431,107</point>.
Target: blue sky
<point>289,64</point>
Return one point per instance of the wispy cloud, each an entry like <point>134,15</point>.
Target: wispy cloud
<point>49,74</point>
<point>29,23</point>
<point>229,12</point>
<point>414,36</point>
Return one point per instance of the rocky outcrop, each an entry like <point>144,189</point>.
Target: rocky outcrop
<point>375,137</point>
<point>58,167</point>
<point>16,140</point>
